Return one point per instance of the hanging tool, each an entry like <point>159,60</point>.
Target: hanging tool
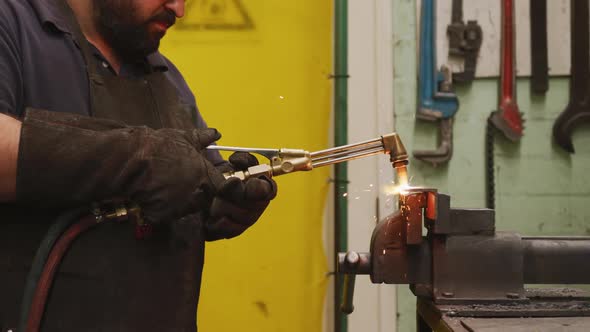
<point>464,41</point>
<point>285,161</point>
<point>539,69</point>
<point>436,101</point>
<point>578,108</point>
<point>508,119</point>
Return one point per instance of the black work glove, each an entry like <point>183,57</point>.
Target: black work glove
<point>238,204</point>
<point>67,160</point>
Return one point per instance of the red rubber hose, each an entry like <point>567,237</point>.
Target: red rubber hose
<point>48,274</point>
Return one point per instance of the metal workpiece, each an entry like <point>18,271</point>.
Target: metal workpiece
<point>285,161</point>
<point>412,204</point>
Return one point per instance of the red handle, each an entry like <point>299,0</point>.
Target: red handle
<point>508,74</point>
<point>508,106</point>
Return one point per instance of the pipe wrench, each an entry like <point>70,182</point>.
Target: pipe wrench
<point>578,108</point>
<point>508,118</point>
<point>464,41</point>
<point>436,101</point>
<point>286,161</point>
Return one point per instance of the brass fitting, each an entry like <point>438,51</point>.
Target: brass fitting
<point>398,156</point>
<point>393,145</point>
<point>118,212</point>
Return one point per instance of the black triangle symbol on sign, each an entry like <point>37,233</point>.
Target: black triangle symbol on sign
<point>216,15</point>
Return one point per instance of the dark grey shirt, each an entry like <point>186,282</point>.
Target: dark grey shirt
<point>42,67</point>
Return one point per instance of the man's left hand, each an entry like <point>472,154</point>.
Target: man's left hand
<point>238,204</point>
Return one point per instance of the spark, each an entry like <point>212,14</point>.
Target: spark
<point>397,189</point>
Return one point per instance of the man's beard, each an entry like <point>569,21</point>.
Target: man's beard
<point>129,37</point>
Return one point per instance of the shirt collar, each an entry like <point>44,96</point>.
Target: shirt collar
<point>51,12</point>
<point>157,61</point>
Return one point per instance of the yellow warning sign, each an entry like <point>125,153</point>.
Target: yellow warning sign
<point>216,15</point>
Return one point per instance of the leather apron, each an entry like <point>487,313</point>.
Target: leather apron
<point>109,280</point>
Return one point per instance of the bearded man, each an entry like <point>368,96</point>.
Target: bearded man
<point>90,111</point>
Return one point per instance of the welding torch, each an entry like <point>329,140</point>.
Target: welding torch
<point>286,161</point>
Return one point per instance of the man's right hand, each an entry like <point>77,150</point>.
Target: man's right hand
<point>65,161</point>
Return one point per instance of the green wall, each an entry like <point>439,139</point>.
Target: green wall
<point>540,190</point>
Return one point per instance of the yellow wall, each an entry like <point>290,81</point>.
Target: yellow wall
<point>263,82</point>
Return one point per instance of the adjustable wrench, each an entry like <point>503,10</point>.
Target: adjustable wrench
<point>464,41</point>
<point>436,101</point>
<point>578,108</point>
<point>508,118</point>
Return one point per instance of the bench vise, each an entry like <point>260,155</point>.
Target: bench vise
<point>462,259</point>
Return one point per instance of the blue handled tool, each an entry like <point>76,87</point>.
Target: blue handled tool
<point>436,101</point>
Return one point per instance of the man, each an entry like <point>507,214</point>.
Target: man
<point>90,111</point>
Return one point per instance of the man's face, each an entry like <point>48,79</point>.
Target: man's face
<point>133,28</point>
